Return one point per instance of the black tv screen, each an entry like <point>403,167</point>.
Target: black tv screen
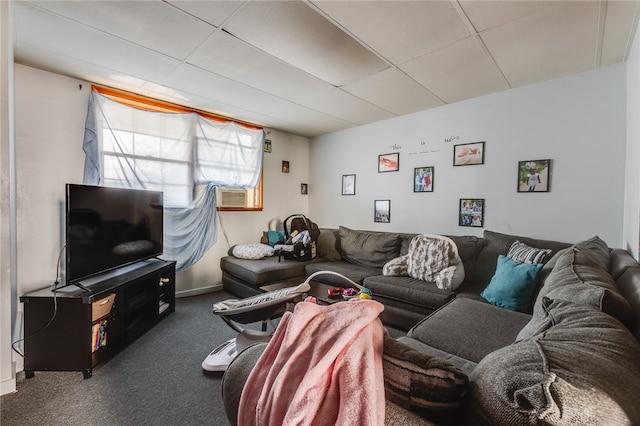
<point>110,227</point>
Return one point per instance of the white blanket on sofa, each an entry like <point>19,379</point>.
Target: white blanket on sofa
<point>432,258</point>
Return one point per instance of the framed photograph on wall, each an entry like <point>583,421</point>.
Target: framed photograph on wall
<point>423,179</point>
<point>534,175</point>
<point>471,212</point>
<point>304,188</point>
<point>348,184</point>
<point>389,162</point>
<point>382,211</point>
<point>285,167</point>
<point>468,154</point>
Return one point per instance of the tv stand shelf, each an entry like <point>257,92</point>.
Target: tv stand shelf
<point>90,327</point>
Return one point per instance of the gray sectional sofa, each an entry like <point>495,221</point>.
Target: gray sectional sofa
<point>360,256</point>
<point>572,357</point>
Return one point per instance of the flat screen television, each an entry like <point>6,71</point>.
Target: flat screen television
<point>107,228</point>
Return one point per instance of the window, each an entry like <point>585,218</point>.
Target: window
<point>157,152</point>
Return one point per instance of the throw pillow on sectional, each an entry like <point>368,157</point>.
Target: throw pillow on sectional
<point>252,251</point>
<point>582,369</point>
<point>427,385</point>
<point>523,253</point>
<point>495,244</point>
<point>580,277</point>
<point>398,267</point>
<point>512,284</point>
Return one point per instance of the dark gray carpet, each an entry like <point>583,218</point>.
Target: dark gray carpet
<point>157,380</point>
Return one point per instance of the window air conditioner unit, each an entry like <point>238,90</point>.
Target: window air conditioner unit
<point>231,197</point>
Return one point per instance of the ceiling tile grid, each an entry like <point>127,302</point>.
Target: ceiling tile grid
<point>311,67</point>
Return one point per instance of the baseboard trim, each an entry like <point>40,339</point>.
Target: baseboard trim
<point>7,386</point>
<point>199,291</point>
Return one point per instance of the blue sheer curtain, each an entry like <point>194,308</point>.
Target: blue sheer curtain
<point>183,154</point>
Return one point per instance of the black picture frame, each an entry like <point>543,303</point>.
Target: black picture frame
<point>471,212</point>
<point>382,211</point>
<point>468,154</point>
<point>348,184</point>
<point>389,162</point>
<point>304,189</point>
<point>540,181</point>
<point>423,179</point>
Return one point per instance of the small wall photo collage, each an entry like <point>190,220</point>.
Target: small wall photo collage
<point>533,176</point>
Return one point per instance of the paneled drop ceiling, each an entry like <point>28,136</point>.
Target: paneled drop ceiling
<point>312,67</point>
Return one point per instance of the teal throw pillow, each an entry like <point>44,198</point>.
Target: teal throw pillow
<point>512,284</point>
<point>275,236</point>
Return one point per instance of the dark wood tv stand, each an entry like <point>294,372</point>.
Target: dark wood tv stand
<point>90,327</point>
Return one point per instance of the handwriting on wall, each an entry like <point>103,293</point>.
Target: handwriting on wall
<point>423,147</point>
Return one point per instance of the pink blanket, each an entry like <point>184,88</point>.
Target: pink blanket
<point>323,366</point>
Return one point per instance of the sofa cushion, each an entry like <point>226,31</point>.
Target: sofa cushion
<point>328,244</point>
<point>469,328</point>
<point>629,285</point>
<point>582,369</point>
<point>580,277</point>
<point>427,385</point>
<point>619,261</point>
<point>372,249</point>
<point>520,252</point>
<point>262,271</point>
<point>464,365</point>
<point>597,248</point>
<point>409,291</point>
<point>354,272</point>
<point>512,285</point>
<point>496,243</point>
<point>469,247</point>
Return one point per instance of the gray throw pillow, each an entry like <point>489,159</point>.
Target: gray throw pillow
<point>580,277</point>
<point>372,249</point>
<point>427,385</point>
<point>597,248</point>
<point>582,369</point>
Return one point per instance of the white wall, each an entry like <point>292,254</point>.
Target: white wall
<point>632,181</point>
<point>50,115</point>
<point>7,292</point>
<point>577,121</point>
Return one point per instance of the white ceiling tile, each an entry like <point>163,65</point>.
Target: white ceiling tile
<point>338,103</point>
<point>40,32</point>
<point>395,92</point>
<point>153,24</point>
<point>616,43</point>
<point>213,12</point>
<point>398,30</point>
<point>230,57</point>
<point>460,71</point>
<point>316,120</point>
<point>488,14</point>
<point>314,66</point>
<point>553,42</point>
<point>187,78</point>
<point>297,34</point>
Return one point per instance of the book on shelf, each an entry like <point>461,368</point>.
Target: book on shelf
<point>98,335</point>
<point>162,306</point>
